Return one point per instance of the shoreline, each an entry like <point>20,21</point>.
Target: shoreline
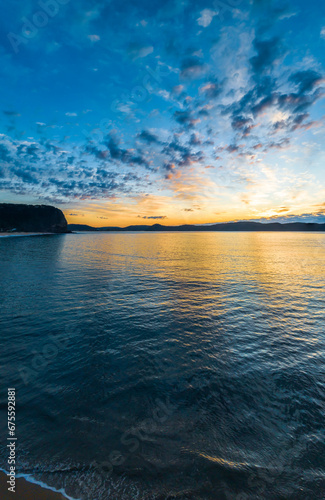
<point>28,488</point>
<point>19,234</point>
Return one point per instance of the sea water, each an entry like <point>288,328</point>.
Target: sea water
<point>166,365</point>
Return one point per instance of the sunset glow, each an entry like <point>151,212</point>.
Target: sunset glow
<point>177,114</point>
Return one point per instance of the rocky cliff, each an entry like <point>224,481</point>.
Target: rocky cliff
<point>32,218</point>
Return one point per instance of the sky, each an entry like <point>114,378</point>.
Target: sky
<point>174,112</point>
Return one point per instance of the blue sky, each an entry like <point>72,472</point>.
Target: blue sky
<point>121,112</point>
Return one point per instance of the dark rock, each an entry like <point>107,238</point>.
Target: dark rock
<point>32,218</point>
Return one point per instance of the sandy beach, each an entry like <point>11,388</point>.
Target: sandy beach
<point>26,490</point>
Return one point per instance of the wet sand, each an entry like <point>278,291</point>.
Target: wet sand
<point>26,490</point>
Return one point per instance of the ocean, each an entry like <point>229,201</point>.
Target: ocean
<point>166,365</point>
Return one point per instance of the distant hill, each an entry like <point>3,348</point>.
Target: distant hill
<point>32,218</point>
<point>81,227</point>
<point>229,226</point>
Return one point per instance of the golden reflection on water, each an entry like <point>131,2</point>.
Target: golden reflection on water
<point>213,273</point>
<point>267,257</point>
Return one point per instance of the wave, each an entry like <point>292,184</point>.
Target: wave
<point>30,479</point>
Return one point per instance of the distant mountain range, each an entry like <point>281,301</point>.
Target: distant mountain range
<point>229,226</point>
<point>44,218</point>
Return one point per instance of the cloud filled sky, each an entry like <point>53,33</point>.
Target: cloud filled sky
<point>124,112</point>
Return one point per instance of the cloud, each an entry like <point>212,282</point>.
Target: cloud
<point>25,176</point>
<point>268,52</point>
<point>192,69</point>
<point>242,123</point>
<point>185,118</point>
<point>232,148</point>
<point>195,140</point>
<point>155,217</point>
<point>94,38</point>
<point>322,32</point>
<point>127,156</point>
<point>266,102</point>
<point>152,217</point>
<point>29,151</point>
<point>211,90</point>
<point>5,154</point>
<point>307,218</point>
<point>136,51</point>
<point>71,114</point>
<point>206,17</point>
<point>116,152</point>
<point>13,114</point>
<point>251,100</point>
<point>47,171</point>
<point>307,93</point>
<point>147,136</point>
<point>177,89</point>
<point>306,80</point>
<point>180,154</point>
<point>90,148</point>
